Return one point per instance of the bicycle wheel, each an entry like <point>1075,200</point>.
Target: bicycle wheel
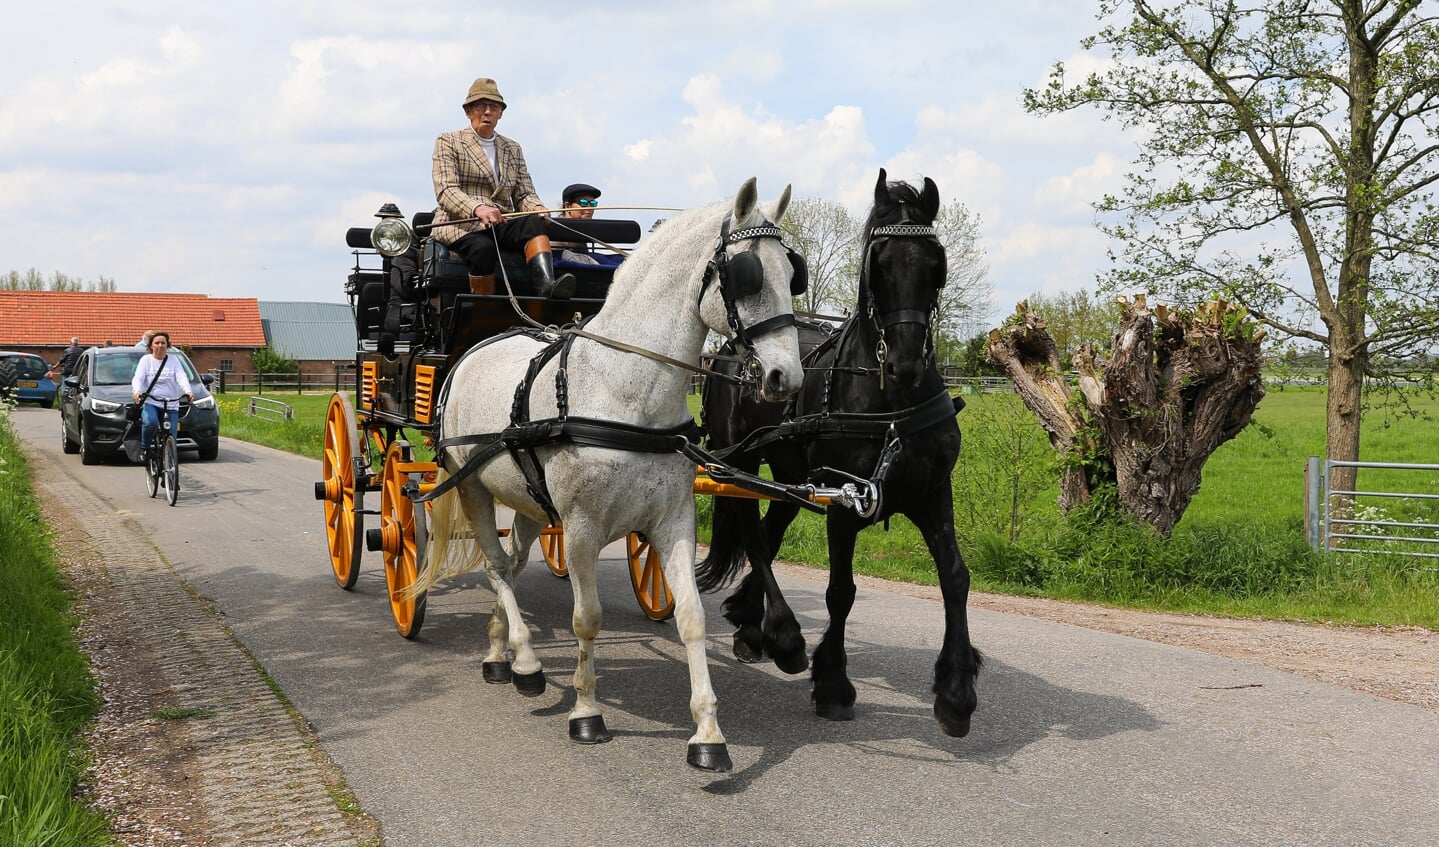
<point>152,471</point>
<point>170,467</point>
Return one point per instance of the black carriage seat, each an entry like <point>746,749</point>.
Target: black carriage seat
<point>446,274</point>
<point>370,297</point>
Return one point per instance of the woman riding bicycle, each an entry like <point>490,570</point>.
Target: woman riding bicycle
<point>166,385</point>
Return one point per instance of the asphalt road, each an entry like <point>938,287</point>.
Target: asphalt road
<point>1081,737</point>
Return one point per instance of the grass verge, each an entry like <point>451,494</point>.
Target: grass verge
<point>1239,550</point>
<point>47,694</point>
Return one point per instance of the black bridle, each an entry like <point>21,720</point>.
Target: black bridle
<point>742,275</point>
<point>884,321</point>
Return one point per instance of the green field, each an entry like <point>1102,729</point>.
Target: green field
<point>1239,550</point>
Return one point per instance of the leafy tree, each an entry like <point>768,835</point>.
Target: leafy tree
<point>33,280</point>
<point>269,361</point>
<point>971,357</point>
<point>1074,318</point>
<point>1287,163</point>
<point>965,302</point>
<point>827,235</point>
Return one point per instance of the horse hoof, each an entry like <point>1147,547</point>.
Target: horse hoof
<point>710,757</point>
<point>954,727</point>
<point>792,664</point>
<point>496,673</point>
<point>835,711</point>
<point>747,653</point>
<point>590,730</point>
<point>530,684</point>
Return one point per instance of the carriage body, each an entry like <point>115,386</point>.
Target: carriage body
<point>415,317</point>
<point>415,314</point>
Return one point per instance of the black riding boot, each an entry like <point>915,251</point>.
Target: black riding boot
<point>542,270</point>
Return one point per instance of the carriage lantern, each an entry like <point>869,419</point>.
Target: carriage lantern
<point>391,236</point>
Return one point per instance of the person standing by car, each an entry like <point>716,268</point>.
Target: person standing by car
<point>158,379</point>
<point>70,357</point>
<point>479,176</point>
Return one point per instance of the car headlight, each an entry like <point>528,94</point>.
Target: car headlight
<point>105,407</point>
<point>204,403</point>
<point>391,237</point>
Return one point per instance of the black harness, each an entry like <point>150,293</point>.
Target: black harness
<point>739,276</point>
<point>826,422</point>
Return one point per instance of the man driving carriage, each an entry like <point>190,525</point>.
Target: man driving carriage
<point>479,176</point>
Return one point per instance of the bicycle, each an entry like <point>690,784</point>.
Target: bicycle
<point>162,461</point>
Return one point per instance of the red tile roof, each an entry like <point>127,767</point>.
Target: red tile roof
<point>37,318</point>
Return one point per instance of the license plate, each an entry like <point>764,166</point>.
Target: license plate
<point>28,384</point>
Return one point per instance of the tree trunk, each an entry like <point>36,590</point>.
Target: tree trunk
<point>1025,352</point>
<point>1342,412</point>
<point>1176,385</point>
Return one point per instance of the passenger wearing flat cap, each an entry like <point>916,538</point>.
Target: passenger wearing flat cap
<point>481,174</point>
<point>578,202</point>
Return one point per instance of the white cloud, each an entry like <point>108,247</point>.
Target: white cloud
<point>226,149</point>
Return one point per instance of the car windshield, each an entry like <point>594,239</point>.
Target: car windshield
<point>29,367</point>
<point>119,368</point>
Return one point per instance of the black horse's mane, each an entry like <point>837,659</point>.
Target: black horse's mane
<point>901,195</point>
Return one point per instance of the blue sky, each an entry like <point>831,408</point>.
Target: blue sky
<point>225,149</point>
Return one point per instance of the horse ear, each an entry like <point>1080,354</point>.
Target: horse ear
<point>746,200</point>
<point>881,190</point>
<point>777,209</point>
<point>929,199</point>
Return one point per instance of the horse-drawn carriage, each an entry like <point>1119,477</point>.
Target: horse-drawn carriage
<point>415,315</point>
<point>589,405</point>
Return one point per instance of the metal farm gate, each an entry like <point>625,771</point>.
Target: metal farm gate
<point>1394,509</point>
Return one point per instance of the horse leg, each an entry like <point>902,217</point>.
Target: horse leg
<point>736,526</point>
<point>495,667</point>
<point>507,625</point>
<point>959,661</point>
<point>833,693</point>
<point>587,724</point>
<point>783,639</point>
<point>675,538</point>
<point>745,609</point>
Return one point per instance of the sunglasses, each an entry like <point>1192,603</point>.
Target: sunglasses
<point>586,203</point>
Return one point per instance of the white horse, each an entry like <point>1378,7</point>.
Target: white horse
<point>664,301</point>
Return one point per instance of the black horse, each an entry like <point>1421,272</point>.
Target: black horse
<point>873,406</point>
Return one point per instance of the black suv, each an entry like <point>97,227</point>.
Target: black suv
<point>93,400</point>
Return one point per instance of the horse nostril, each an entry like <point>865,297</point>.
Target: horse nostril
<point>775,383</point>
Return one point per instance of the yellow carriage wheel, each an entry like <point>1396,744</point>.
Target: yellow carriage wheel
<point>648,579</point>
<point>403,536</point>
<point>344,522</point>
<point>552,544</point>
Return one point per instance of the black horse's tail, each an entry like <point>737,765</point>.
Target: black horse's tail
<point>732,519</point>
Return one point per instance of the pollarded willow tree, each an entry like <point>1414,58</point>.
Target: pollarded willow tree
<point>1149,411</point>
<point>1288,163</point>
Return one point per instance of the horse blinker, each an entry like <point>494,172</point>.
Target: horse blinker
<point>745,275</point>
<point>799,283</point>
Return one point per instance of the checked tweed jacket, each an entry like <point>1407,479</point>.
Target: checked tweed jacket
<point>463,180</point>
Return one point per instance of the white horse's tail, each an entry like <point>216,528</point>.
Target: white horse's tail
<point>448,523</point>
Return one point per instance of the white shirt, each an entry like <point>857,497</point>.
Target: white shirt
<point>170,385</point>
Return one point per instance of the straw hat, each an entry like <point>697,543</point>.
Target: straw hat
<point>484,88</point>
